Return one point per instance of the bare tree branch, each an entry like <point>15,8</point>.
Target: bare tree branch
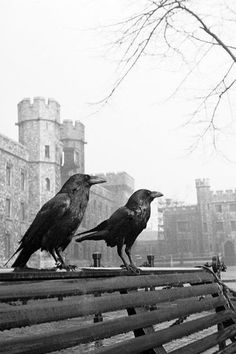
<point>168,27</point>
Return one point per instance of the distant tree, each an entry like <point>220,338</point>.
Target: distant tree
<point>189,30</point>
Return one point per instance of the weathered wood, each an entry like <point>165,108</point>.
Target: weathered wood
<point>188,291</point>
<point>72,287</point>
<point>56,340</point>
<point>91,272</point>
<point>143,329</point>
<point>230,349</point>
<point>208,342</point>
<point>138,345</point>
<point>19,316</point>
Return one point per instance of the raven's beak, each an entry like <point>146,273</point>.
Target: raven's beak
<point>96,180</point>
<point>156,194</point>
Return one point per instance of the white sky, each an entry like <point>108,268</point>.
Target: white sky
<point>48,49</point>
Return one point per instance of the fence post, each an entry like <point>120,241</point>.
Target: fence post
<point>97,263</point>
<point>97,259</point>
<point>150,258</point>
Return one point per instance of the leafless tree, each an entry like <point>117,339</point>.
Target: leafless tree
<point>174,29</point>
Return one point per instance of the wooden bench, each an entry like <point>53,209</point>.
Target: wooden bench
<point>158,306</point>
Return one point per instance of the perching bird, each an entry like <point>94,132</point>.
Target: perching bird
<point>124,225</point>
<point>56,222</point>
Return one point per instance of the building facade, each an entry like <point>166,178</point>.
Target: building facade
<point>33,169</point>
<point>204,229</point>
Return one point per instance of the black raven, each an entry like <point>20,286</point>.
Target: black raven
<point>56,222</point>
<point>124,225</point>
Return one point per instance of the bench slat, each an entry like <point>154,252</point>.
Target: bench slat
<point>206,343</point>
<point>19,316</point>
<point>73,336</point>
<point>137,345</point>
<point>72,287</point>
<point>11,274</point>
<point>231,349</point>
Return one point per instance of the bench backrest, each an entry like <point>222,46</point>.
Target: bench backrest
<point>156,308</point>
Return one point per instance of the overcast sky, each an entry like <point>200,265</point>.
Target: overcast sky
<point>56,48</point>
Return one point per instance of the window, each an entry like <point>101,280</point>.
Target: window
<point>76,157</point>
<point>182,226</point>
<point>233,225</point>
<point>8,175</point>
<point>47,180</point>
<point>22,211</point>
<point>232,207</point>
<point>218,208</point>
<point>62,158</point>
<point>22,180</point>
<point>8,207</point>
<point>219,226</point>
<point>47,151</point>
<point>7,244</point>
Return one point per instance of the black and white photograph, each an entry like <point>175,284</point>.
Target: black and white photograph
<point>118,176</point>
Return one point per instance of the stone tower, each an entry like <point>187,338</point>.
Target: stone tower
<point>72,138</point>
<point>204,198</point>
<point>39,131</point>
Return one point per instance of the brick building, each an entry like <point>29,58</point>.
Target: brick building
<point>33,170</point>
<point>207,228</point>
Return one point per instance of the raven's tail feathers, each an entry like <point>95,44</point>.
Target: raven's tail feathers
<point>97,236</point>
<point>22,258</point>
<point>99,227</point>
<point>18,249</point>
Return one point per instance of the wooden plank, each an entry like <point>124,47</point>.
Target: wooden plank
<point>44,274</point>
<point>72,287</point>
<point>208,342</point>
<point>17,316</point>
<point>231,349</point>
<point>144,329</point>
<point>140,344</point>
<point>64,338</point>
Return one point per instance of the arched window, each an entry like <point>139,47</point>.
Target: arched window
<point>47,180</point>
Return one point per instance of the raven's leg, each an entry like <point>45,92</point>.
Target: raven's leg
<point>63,265</point>
<point>120,253</point>
<point>132,266</point>
<point>56,258</point>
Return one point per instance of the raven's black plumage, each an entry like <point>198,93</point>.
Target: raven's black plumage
<point>57,220</point>
<point>124,225</point>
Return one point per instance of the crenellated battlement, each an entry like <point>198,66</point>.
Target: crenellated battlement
<point>71,130</point>
<point>38,108</point>
<point>181,209</point>
<point>119,178</point>
<point>202,182</point>
<point>224,195</point>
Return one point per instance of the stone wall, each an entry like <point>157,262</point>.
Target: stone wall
<point>15,157</point>
<point>39,125</point>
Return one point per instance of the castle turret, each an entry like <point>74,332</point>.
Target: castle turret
<point>204,193</point>
<point>72,137</point>
<point>39,131</point>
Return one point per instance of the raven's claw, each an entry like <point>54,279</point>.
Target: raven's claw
<point>131,267</point>
<point>69,267</point>
<point>134,269</point>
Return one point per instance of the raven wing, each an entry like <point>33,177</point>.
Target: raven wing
<point>50,213</point>
<point>113,229</point>
<point>122,224</point>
